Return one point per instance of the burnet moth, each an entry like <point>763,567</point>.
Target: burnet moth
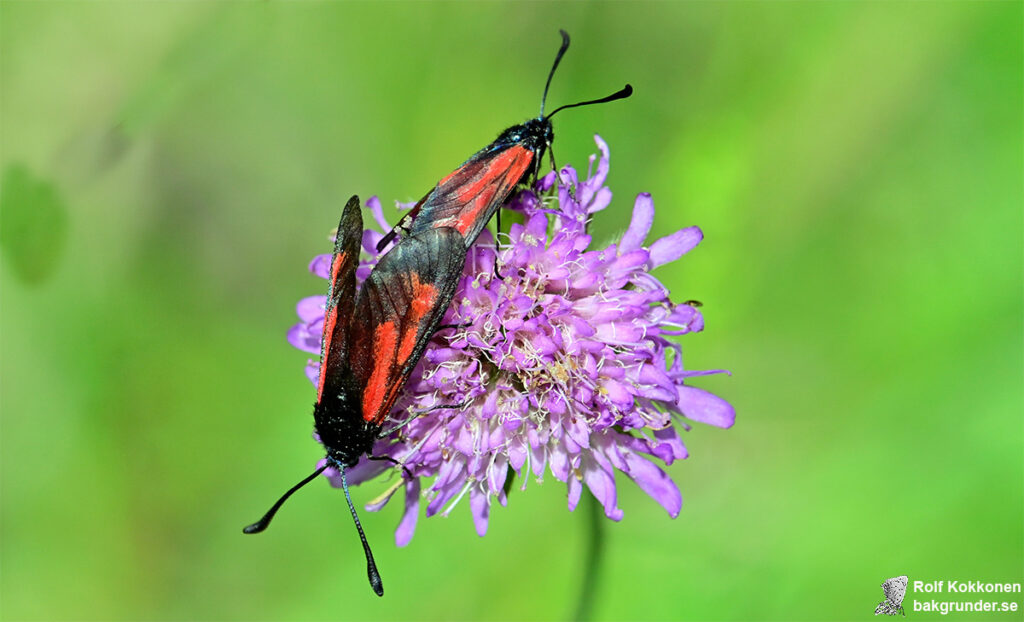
<point>372,341</point>
<point>467,198</point>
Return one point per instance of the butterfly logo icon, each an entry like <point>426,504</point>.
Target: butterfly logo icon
<point>895,589</point>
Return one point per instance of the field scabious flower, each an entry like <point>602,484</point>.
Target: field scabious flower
<point>566,364</point>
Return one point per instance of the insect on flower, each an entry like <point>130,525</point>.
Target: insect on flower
<point>372,341</point>
<point>468,197</point>
<point>569,368</point>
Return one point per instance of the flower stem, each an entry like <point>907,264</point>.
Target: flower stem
<point>592,560</point>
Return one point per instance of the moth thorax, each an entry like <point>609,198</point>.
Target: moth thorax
<point>540,133</point>
<point>534,135</point>
<point>344,433</point>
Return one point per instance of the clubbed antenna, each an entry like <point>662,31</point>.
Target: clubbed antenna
<point>371,566</point>
<point>264,522</point>
<point>622,94</point>
<point>558,59</point>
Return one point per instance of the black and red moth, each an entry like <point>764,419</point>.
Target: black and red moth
<point>372,341</point>
<point>467,198</point>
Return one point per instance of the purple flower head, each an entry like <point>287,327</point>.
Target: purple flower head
<point>568,364</point>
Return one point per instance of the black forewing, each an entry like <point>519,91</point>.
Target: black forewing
<point>397,312</point>
<point>341,296</point>
<point>450,196</point>
<point>468,197</point>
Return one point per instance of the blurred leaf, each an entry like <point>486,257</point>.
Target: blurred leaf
<point>33,224</point>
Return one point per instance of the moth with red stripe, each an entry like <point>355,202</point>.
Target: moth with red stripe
<point>372,341</point>
<point>467,198</point>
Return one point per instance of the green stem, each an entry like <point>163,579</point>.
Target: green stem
<point>592,559</point>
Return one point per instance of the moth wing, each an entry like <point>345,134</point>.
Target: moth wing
<point>341,296</point>
<point>467,198</point>
<point>398,310</point>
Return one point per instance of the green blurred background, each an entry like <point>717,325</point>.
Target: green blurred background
<point>169,169</point>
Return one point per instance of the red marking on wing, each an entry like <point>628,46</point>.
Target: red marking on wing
<point>384,340</point>
<point>392,349</point>
<point>500,166</point>
<point>423,297</point>
<point>329,321</point>
<point>339,260</point>
<point>500,173</point>
<point>469,214</point>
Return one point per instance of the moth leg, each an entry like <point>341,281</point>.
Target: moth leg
<point>422,412</point>
<point>497,273</point>
<point>497,225</point>
<point>463,325</point>
<point>408,473</point>
<point>558,176</point>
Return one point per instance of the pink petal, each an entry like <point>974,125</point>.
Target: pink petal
<point>654,482</point>
<point>379,504</point>
<point>311,308</point>
<point>407,526</point>
<point>670,447</point>
<point>699,405</point>
<point>575,490</point>
<point>306,337</point>
<point>497,473</point>
<point>617,393</point>
<point>516,453</point>
<point>370,239</point>
<point>321,266</point>
<point>705,372</point>
<point>538,460</point>
<point>313,371</point>
<point>601,175</point>
<point>480,508</point>
<point>601,200</point>
<point>559,462</point>
<point>601,483</point>
<point>672,247</point>
<point>378,213</point>
<point>639,224</point>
